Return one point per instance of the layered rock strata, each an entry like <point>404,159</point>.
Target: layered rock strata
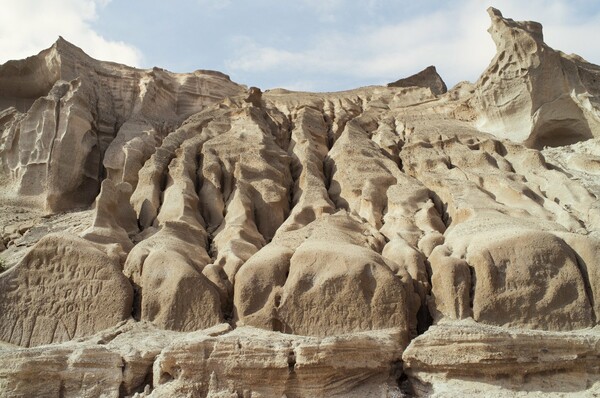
<point>179,235</point>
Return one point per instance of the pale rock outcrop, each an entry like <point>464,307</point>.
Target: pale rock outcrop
<point>535,269</point>
<point>53,371</point>
<point>252,362</point>
<point>196,130</point>
<point>114,219</point>
<point>581,161</point>
<point>113,363</point>
<point>466,358</point>
<point>62,109</point>
<point>493,196</point>
<point>301,284</point>
<point>246,173</point>
<point>308,149</point>
<point>294,244</point>
<point>533,94</point>
<point>64,288</point>
<point>166,272</point>
<point>166,268</point>
<point>136,358</point>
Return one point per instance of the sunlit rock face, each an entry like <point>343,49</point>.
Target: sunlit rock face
<point>180,235</point>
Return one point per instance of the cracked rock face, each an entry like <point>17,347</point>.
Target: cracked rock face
<point>182,235</point>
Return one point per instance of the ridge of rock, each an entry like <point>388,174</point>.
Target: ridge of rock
<point>533,94</point>
<point>178,234</point>
<point>427,78</point>
<point>98,118</point>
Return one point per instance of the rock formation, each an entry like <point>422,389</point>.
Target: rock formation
<point>533,94</point>
<point>427,78</point>
<point>182,235</point>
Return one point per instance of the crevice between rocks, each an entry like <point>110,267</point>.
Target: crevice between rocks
<point>291,384</point>
<point>145,386</point>
<point>424,318</point>
<point>582,267</point>
<point>295,167</point>
<point>472,289</point>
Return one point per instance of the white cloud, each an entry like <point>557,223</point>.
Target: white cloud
<point>454,39</point>
<point>28,26</point>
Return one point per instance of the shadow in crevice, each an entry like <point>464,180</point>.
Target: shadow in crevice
<point>566,125</point>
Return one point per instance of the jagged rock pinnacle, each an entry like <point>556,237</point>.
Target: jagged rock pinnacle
<point>427,78</point>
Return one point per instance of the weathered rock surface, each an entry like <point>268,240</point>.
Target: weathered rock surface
<point>466,358</point>
<point>251,362</point>
<point>325,279</point>
<point>533,94</point>
<point>69,120</point>
<point>138,358</point>
<point>64,288</point>
<point>427,78</point>
<point>382,241</point>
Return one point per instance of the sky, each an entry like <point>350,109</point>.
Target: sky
<point>311,45</point>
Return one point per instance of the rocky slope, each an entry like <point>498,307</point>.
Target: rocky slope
<point>180,235</point>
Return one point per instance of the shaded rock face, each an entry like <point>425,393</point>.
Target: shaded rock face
<point>534,94</point>
<point>68,121</point>
<point>427,78</point>
<point>64,288</point>
<point>382,241</point>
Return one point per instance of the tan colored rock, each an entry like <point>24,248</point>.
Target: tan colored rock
<point>499,197</point>
<point>339,225</point>
<point>528,279</point>
<point>308,148</point>
<point>581,162</point>
<point>114,219</point>
<point>252,362</point>
<point>166,271</point>
<point>427,78</point>
<point>112,363</point>
<point>245,188</point>
<point>81,104</point>
<point>64,288</point>
<point>533,94</point>
<point>451,285</point>
<point>477,360</point>
<point>302,285</point>
<point>166,268</point>
<point>138,358</point>
<point>254,96</point>
<point>85,371</point>
<point>586,250</point>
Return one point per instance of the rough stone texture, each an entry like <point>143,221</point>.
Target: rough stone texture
<point>53,371</point>
<point>536,269</point>
<point>466,358</point>
<point>64,288</point>
<point>137,358</point>
<point>382,241</point>
<point>324,279</point>
<point>68,120</point>
<point>428,78</point>
<point>533,94</point>
<point>250,361</point>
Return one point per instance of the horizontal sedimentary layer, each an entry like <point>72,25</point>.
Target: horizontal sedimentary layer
<point>137,357</point>
<point>181,235</point>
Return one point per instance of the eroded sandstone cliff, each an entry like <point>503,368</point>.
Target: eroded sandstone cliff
<point>180,235</point>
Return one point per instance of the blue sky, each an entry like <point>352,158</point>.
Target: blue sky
<point>316,45</point>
